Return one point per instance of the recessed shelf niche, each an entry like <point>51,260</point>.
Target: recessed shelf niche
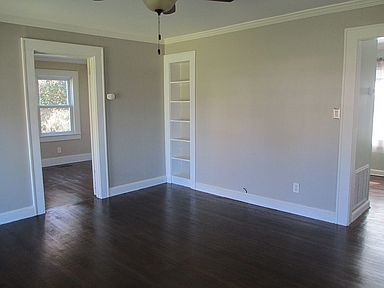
<point>179,101</point>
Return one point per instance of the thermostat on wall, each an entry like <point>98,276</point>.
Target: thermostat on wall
<point>111,96</point>
<point>336,113</point>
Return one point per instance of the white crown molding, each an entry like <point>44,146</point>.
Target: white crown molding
<point>335,8</point>
<point>73,28</point>
<point>341,7</point>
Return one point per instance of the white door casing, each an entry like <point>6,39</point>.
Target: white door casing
<point>348,128</point>
<point>95,63</point>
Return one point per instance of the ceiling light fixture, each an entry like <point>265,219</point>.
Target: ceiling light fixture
<point>163,7</point>
<point>160,7</point>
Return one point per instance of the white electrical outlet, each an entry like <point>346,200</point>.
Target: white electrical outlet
<point>59,150</point>
<point>296,188</point>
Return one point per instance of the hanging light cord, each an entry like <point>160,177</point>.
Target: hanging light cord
<point>159,33</point>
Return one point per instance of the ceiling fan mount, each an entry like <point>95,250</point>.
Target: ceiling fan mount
<point>165,7</point>
<point>160,6</point>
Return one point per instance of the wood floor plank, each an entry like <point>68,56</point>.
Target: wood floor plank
<point>170,236</point>
<point>67,184</point>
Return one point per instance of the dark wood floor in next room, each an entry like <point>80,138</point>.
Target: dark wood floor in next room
<point>168,236</point>
<point>68,184</point>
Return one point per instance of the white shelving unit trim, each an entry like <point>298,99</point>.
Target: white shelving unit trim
<point>181,158</point>
<point>182,176</point>
<point>180,82</point>
<point>181,120</point>
<point>179,108</point>
<point>181,139</point>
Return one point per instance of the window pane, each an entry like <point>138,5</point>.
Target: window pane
<point>53,92</point>
<point>55,120</point>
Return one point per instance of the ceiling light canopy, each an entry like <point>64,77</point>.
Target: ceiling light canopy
<point>159,6</point>
<point>165,7</point>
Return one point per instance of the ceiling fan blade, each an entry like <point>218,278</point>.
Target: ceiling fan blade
<point>171,11</point>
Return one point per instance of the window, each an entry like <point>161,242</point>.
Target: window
<point>58,105</point>
<point>378,118</point>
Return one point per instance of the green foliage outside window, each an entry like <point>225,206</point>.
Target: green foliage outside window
<point>55,114</point>
<point>53,92</point>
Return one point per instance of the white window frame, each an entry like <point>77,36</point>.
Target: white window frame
<point>73,103</point>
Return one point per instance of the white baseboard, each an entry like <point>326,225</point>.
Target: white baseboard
<point>66,159</point>
<point>15,215</point>
<point>376,172</point>
<point>126,188</point>
<point>297,209</point>
<point>360,210</point>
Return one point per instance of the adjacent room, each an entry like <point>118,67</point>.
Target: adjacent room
<point>64,125</point>
<point>211,143</point>
<point>376,185</point>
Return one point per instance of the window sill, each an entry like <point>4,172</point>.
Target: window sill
<point>56,138</point>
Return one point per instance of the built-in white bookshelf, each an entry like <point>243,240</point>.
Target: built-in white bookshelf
<point>179,106</point>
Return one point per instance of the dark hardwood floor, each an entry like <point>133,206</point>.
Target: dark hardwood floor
<point>376,196</point>
<point>169,236</point>
<point>68,184</point>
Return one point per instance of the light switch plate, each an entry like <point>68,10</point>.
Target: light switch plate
<point>296,188</point>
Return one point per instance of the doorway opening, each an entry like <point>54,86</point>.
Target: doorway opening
<point>64,124</point>
<point>43,123</point>
<point>376,184</point>
<point>376,195</point>
<point>355,185</point>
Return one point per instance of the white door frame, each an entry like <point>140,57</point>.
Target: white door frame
<point>348,128</point>
<point>95,64</point>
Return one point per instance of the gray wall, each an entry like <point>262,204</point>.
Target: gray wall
<point>134,119</point>
<point>264,106</point>
<point>77,146</point>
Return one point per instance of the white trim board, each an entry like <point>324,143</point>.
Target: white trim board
<point>48,162</point>
<point>59,58</point>
<point>169,61</point>
<point>329,9</point>
<point>18,214</point>
<point>95,64</point>
<point>297,209</point>
<point>360,210</point>
<point>376,172</point>
<point>348,126</point>
<point>132,187</point>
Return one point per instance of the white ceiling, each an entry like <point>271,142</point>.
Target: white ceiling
<point>130,19</point>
